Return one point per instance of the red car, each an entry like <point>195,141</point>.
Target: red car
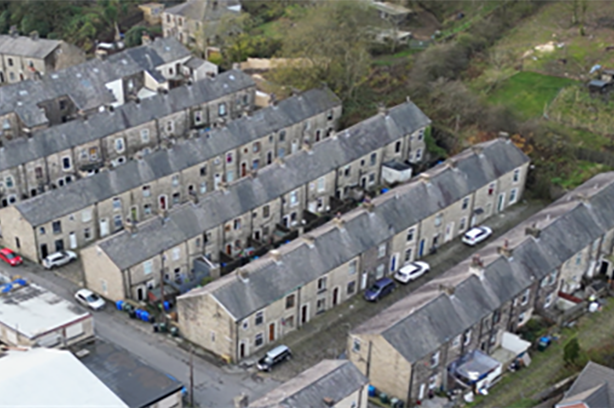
<point>10,257</point>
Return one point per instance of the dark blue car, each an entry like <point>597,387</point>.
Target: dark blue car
<point>379,289</point>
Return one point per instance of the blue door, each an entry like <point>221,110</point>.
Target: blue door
<point>421,249</point>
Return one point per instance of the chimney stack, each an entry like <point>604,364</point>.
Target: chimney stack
<point>241,401</point>
<point>533,230</point>
<point>505,250</point>
<point>145,38</point>
<point>477,149</point>
<point>34,35</point>
<point>367,204</point>
<point>13,31</point>
<point>425,177</point>
<point>381,108</point>
<point>447,289</point>
<point>477,266</point>
<point>451,163</point>
<point>276,255</point>
<point>338,220</point>
<point>309,240</point>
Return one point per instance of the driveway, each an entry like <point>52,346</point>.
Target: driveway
<point>214,386</point>
<point>326,336</point>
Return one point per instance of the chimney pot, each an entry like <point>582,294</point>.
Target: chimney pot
<point>477,266</point>
<point>276,255</point>
<point>533,230</point>
<point>477,149</point>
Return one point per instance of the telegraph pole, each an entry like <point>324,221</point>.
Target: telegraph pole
<point>162,286</point>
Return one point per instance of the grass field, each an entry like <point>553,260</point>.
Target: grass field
<point>528,93</point>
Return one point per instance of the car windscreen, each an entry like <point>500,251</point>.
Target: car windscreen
<point>92,298</point>
<point>10,255</point>
<point>375,288</point>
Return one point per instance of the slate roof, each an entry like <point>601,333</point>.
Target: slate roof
<point>77,132</point>
<point>184,154</point>
<point>85,83</point>
<point>394,211</point>
<point>594,387</point>
<point>134,382</point>
<point>273,181</point>
<point>25,46</point>
<point>203,10</point>
<point>334,379</point>
<point>429,317</point>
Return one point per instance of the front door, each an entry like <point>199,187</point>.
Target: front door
<point>134,214</point>
<point>335,296</point>
<point>242,350</point>
<point>44,251</point>
<point>603,268</point>
<point>243,169</point>
<point>139,293</point>
<point>421,248</point>
<point>393,263</point>
<point>104,227</point>
<point>501,203</point>
<point>272,332</point>
<point>304,314</point>
<point>449,231</point>
<point>59,245</point>
<point>72,239</point>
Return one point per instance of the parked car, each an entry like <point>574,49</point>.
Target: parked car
<point>58,259</point>
<point>379,289</point>
<point>10,257</point>
<point>476,235</point>
<point>274,357</point>
<point>411,271</point>
<point>89,299</point>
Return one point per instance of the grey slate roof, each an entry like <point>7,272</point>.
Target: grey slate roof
<point>133,381</point>
<point>187,153</point>
<point>334,379</point>
<point>77,132</point>
<point>27,47</point>
<point>594,386</point>
<point>271,182</point>
<point>85,83</point>
<point>395,211</point>
<point>203,10</point>
<point>418,324</point>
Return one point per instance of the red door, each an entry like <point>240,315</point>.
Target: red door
<point>272,332</point>
<point>243,169</point>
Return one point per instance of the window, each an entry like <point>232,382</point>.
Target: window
<point>548,301</point>
<point>433,381</point>
<point>229,157</point>
<point>467,338</point>
<point>351,287</point>
<point>86,215</point>
<point>221,110</point>
<point>408,255</point>
<point>525,297</point>
<point>117,221</point>
<point>198,117</point>
<point>145,135</point>
<point>170,126</point>
<point>282,136</point>
<point>462,224</point>
<point>373,159</point>
<point>397,147</point>
<point>347,171</point>
<point>259,318</point>
<point>321,305</point>
<point>521,317</point>
<point>119,145</point>
<point>330,115</point>
<point>456,342</point>
<point>265,211</point>
<point>381,250</point>
<point>513,195</point>
<point>230,176</point>
<point>41,231</point>
<point>246,99</point>
<point>290,301</point>
<point>281,152</point>
<point>421,134</point>
<point>435,359</point>
<point>203,171</point>
<point>491,189</point>
<point>321,184</point>
<point>87,234</point>
<point>465,203</point>
<point>8,182</point>
<point>117,203</point>
<point>175,180</point>
<point>438,220</point>
<point>553,275</point>
<point>352,266</point>
<point>147,209</point>
<point>245,324</point>
<point>10,61</point>
<point>38,173</point>
<point>203,187</point>
<point>256,147</point>
<point>176,198</point>
<point>259,340</point>
<point>579,258</point>
<point>356,345</point>
<point>93,153</point>
<point>146,191</point>
<point>147,267</point>
<point>418,154</point>
<point>57,227</point>
<point>516,177</point>
<point>293,198</point>
<point>66,163</point>
<point>371,178</point>
<point>410,234</point>
<point>322,284</point>
<point>237,224</point>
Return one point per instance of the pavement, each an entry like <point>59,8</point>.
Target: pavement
<point>214,385</point>
<point>326,336</point>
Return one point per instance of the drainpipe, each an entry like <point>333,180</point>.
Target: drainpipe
<point>237,341</point>
<point>369,359</point>
<point>411,384</point>
<point>298,308</point>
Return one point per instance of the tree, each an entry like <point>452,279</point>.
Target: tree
<point>331,44</point>
<point>571,351</point>
<point>134,35</point>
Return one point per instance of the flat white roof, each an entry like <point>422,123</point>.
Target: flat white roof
<point>42,377</point>
<point>32,310</point>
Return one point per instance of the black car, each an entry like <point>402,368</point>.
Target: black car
<point>274,357</point>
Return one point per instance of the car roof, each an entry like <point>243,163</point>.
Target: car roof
<point>85,292</point>
<point>277,350</point>
<point>6,251</point>
<point>475,231</point>
<point>384,281</point>
<point>410,267</point>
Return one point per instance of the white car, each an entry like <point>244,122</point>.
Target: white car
<point>58,259</point>
<point>476,235</point>
<point>412,271</point>
<point>89,299</point>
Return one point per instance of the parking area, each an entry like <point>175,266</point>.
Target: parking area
<point>325,337</point>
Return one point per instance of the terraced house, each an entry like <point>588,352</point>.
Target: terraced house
<point>83,89</point>
<point>240,313</point>
<point>97,206</point>
<point>416,344</point>
<point>59,155</point>
<point>252,210</point>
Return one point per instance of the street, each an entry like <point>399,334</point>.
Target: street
<point>213,386</point>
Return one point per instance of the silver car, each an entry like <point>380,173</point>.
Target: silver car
<point>58,259</point>
<point>89,299</point>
